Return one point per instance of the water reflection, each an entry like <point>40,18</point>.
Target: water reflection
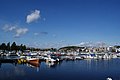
<point>34,65</point>
<point>88,64</point>
<point>19,71</point>
<point>52,64</point>
<point>16,62</point>
<point>4,61</point>
<point>94,69</point>
<point>97,64</point>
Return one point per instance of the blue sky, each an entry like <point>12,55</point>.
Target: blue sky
<point>55,23</point>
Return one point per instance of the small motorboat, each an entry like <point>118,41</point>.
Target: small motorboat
<point>32,60</point>
<point>52,59</point>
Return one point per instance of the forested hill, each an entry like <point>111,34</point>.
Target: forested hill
<point>71,48</point>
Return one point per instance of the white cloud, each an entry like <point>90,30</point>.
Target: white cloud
<point>17,31</point>
<point>92,44</point>
<point>36,34</point>
<point>33,16</point>
<point>20,31</point>
<point>40,33</point>
<point>9,28</point>
<point>45,33</point>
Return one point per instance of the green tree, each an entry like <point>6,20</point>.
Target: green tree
<point>21,47</point>
<point>13,46</point>
<point>0,46</point>
<point>3,46</point>
<point>8,46</point>
<point>24,47</point>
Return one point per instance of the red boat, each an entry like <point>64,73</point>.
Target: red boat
<point>33,60</point>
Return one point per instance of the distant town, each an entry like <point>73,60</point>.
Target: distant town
<point>68,52</point>
<point>66,49</point>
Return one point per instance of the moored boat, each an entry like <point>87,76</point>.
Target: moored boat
<point>32,60</point>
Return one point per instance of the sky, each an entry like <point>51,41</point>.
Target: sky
<point>57,23</point>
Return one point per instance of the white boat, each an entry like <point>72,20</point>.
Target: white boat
<point>51,59</point>
<point>118,54</point>
<point>114,56</point>
<point>88,55</point>
<point>78,57</point>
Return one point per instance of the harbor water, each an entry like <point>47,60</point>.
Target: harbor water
<point>66,70</point>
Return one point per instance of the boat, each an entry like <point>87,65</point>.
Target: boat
<point>118,54</point>
<point>52,59</point>
<point>32,60</point>
<point>34,64</point>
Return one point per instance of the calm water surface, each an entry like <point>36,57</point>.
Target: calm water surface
<point>66,70</point>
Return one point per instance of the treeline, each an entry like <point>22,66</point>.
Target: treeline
<point>49,49</point>
<point>71,48</point>
<point>12,47</point>
<point>15,47</point>
<point>116,46</point>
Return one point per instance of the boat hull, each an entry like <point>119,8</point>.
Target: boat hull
<point>33,61</point>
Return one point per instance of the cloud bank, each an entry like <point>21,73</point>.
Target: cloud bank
<point>8,28</point>
<point>33,16</point>
<point>40,33</point>
<point>92,44</point>
<point>20,31</point>
<point>15,29</point>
